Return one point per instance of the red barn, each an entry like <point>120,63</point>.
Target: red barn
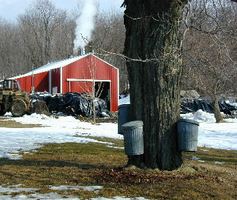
<point>87,73</point>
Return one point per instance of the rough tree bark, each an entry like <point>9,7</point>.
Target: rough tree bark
<point>216,109</point>
<point>152,46</point>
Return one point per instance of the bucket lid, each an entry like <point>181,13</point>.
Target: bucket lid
<point>132,125</point>
<point>189,121</point>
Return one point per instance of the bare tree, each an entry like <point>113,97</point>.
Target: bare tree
<point>10,48</point>
<point>39,27</point>
<point>152,47</point>
<point>210,61</point>
<point>62,42</point>
<point>108,41</point>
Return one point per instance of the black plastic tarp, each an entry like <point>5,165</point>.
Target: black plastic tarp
<point>74,104</point>
<point>193,105</point>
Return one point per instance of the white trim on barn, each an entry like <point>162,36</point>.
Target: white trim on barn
<point>86,80</point>
<point>61,80</point>
<point>50,81</point>
<point>104,61</point>
<point>118,86</point>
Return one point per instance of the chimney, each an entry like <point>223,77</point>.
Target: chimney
<point>79,51</point>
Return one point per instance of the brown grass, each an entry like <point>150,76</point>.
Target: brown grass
<point>4,122</point>
<point>96,164</point>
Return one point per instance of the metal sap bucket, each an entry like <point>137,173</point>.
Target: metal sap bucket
<point>133,138</point>
<point>123,116</point>
<point>187,131</point>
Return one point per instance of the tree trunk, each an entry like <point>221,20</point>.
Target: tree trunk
<point>217,112</point>
<point>154,66</point>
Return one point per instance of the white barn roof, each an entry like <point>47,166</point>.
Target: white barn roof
<point>58,64</point>
<point>50,66</point>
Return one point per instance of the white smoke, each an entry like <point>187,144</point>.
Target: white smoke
<point>85,24</point>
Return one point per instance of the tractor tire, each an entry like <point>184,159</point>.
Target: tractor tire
<point>40,107</point>
<point>18,108</point>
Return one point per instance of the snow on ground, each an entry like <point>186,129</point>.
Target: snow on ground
<point>214,135</point>
<point>56,130</point>
<point>220,136</point>
<point>85,188</point>
<point>200,116</point>
<point>36,196</point>
<point>119,198</point>
<point>9,193</point>
<point>211,134</point>
<point>69,129</point>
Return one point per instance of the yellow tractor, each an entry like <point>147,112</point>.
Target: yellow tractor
<point>12,99</point>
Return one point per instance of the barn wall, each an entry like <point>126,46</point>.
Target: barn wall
<point>81,87</point>
<point>91,68</point>
<point>25,83</point>
<point>41,83</point>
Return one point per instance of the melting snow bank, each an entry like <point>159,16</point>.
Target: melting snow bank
<point>214,135</point>
<point>200,116</point>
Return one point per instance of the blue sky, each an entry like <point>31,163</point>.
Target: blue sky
<point>10,9</point>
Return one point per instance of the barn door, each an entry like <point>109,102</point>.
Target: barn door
<point>102,91</point>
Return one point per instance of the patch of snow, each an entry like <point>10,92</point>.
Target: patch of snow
<point>37,196</point>
<point>113,147</point>
<point>205,150</point>
<point>200,116</point>
<point>124,100</point>
<point>9,193</point>
<point>219,163</point>
<point>68,122</point>
<point>218,135</point>
<point>202,161</point>
<point>58,130</point>
<point>195,158</point>
<point>8,114</point>
<point>231,103</point>
<point>119,198</point>
<point>15,189</point>
<point>14,141</point>
<point>214,135</point>
<point>67,187</point>
<point>231,120</point>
